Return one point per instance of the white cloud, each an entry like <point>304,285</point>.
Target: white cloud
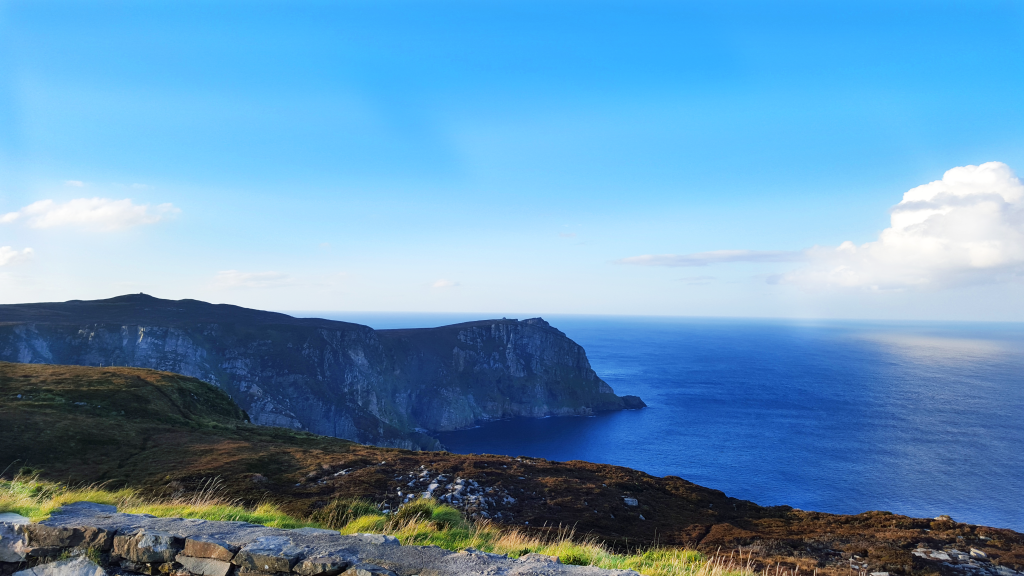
<point>967,228</point>
<point>75,183</point>
<point>9,255</point>
<point>444,284</point>
<point>713,257</point>
<point>99,213</point>
<point>236,279</point>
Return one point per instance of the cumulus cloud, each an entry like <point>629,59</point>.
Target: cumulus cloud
<point>9,255</point>
<point>236,279</point>
<point>98,213</point>
<point>966,228</point>
<point>713,257</point>
<point>444,284</point>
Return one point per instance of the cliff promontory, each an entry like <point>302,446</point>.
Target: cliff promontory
<point>385,387</point>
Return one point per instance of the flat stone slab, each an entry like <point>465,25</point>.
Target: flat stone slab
<point>204,566</point>
<point>210,548</point>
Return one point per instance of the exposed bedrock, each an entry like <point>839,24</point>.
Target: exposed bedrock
<point>385,387</point>
<point>97,540</point>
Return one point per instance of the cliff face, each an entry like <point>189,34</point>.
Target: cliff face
<point>388,387</point>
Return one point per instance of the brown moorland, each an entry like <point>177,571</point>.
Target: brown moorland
<point>164,433</point>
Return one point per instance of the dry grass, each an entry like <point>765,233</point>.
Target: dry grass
<point>432,525</point>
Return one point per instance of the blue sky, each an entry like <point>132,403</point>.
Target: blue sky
<point>513,157</point>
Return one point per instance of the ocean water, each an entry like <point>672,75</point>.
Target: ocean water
<point>914,418</point>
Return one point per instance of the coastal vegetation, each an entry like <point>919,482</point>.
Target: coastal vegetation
<point>420,522</point>
<point>151,442</point>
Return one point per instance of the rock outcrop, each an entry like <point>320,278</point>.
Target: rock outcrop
<point>99,539</point>
<point>385,387</point>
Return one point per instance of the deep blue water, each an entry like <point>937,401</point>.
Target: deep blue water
<point>915,418</point>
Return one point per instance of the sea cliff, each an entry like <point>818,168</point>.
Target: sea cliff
<point>386,387</point>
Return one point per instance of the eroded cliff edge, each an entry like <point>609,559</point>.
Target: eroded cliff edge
<point>387,387</point>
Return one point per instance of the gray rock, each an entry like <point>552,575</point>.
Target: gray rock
<point>268,554</point>
<point>148,546</point>
<point>12,518</point>
<point>314,531</point>
<point>324,565</point>
<point>209,547</point>
<point>276,552</point>
<point>377,539</point>
<point>978,554</point>
<point>77,566</point>
<point>630,501</point>
<point>204,566</point>
<point>13,540</point>
<point>368,570</point>
<point>43,539</point>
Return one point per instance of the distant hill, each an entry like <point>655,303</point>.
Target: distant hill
<point>167,434</point>
<point>385,387</point>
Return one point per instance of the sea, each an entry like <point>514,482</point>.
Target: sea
<point>920,419</point>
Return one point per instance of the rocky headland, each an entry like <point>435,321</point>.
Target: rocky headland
<point>383,387</point>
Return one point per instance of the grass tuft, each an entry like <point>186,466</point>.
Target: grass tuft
<point>421,522</point>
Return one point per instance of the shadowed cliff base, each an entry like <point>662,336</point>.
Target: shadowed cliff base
<point>384,387</point>
<point>167,434</point>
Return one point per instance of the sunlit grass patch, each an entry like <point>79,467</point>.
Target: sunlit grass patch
<point>421,522</point>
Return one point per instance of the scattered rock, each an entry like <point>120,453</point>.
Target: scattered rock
<point>77,566</point>
<point>204,566</point>
<point>209,547</point>
<point>13,541</point>
<point>268,554</point>
<point>377,539</point>
<point>323,566</point>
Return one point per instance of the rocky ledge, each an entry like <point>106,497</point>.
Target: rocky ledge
<point>87,539</point>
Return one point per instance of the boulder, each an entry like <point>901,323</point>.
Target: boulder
<point>204,566</point>
<point>378,539</point>
<point>45,541</point>
<point>209,547</point>
<point>148,546</point>
<point>323,565</point>
<point>77,566</point>
<point>268,554</point>
<point>13,540</point>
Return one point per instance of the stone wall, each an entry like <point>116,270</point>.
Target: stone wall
<point>87,539</point>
